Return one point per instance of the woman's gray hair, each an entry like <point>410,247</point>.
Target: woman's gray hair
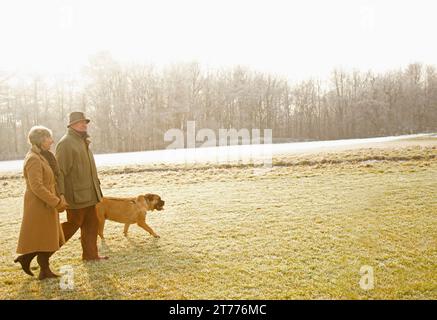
<point>37,134</point>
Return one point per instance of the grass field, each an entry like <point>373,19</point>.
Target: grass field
<point>300,231</point>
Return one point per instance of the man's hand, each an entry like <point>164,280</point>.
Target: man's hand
<point>62,205</point>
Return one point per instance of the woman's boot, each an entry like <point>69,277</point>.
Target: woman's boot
<point>25,260</point>
<point>43,261</point>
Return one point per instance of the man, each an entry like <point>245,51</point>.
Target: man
<point>79,184</point>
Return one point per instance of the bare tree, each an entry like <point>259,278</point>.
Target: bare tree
<point>132,106</point>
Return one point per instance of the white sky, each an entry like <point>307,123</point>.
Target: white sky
<point>297,39</point>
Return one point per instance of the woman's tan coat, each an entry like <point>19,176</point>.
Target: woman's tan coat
<point>40,227</point>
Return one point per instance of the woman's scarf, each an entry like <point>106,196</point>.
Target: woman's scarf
<point>51,159</point>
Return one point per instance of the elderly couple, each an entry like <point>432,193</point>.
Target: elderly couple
<point>67,181</point>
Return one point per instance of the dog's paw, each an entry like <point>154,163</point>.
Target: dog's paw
<point>156,236</point>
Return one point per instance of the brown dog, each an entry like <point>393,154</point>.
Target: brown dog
<point>128,211</point>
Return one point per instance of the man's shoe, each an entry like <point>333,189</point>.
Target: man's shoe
<point>99,258</point>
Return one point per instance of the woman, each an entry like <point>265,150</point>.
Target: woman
<point>41,233</point>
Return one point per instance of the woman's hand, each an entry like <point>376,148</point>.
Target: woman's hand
<point>62,205</point>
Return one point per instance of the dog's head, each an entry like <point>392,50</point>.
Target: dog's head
<point>152,201</point>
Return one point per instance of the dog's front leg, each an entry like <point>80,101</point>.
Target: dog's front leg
<point>126,229</point>
<point>101,226</point>
<point>146,227</point>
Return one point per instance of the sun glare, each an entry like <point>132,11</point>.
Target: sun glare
<point>296,39</point>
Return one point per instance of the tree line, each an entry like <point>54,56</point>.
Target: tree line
<point>132,106</point>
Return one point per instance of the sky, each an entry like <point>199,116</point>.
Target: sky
<point>294,39</point>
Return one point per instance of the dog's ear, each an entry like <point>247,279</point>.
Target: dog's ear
<point>140,199</point>
<point>149,197</point>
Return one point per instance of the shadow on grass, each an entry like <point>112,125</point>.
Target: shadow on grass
<point>48,289</point>
<point>138,267</point>
<point>102,280</point>
<point>149,268</point>
<point>148,254</point>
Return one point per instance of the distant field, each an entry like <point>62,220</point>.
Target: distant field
<point>300,231</point>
